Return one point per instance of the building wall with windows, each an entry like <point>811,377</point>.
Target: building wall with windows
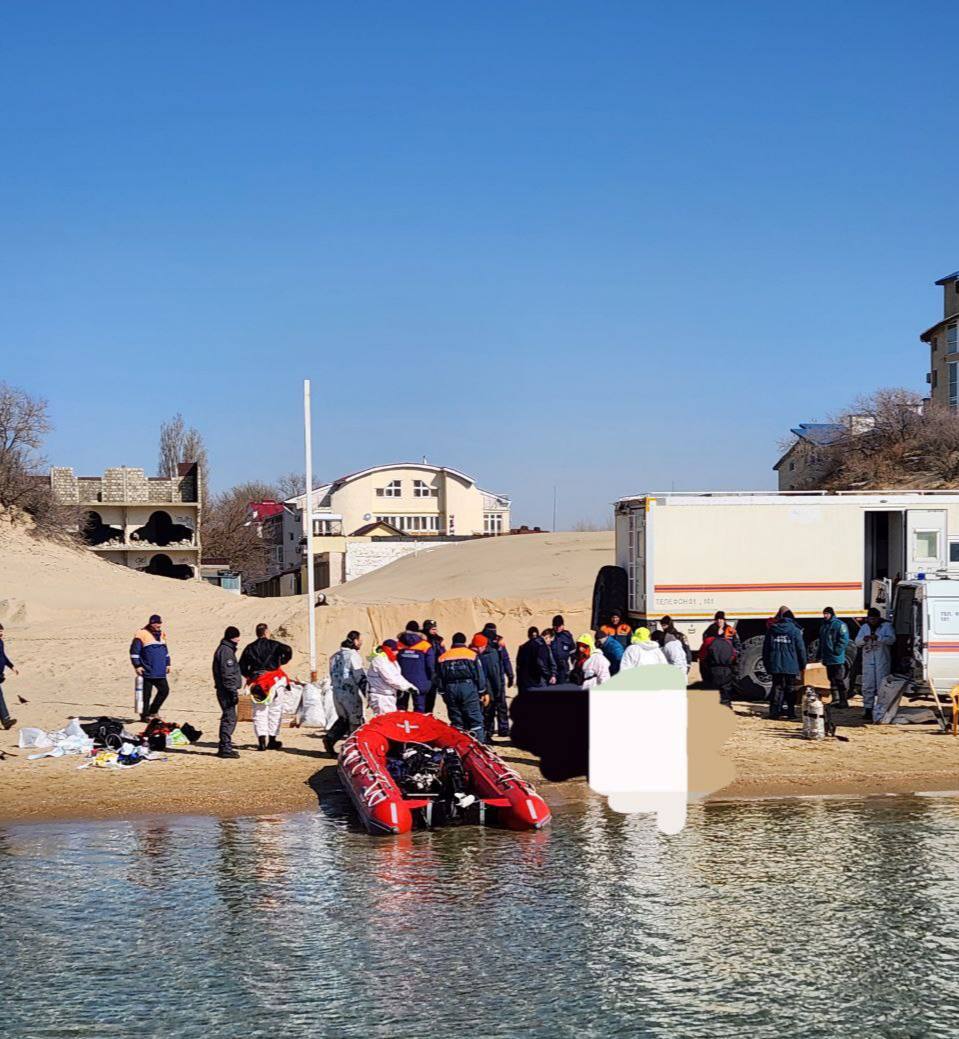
<point>147,523</point>
<point>943,340</point>
<point>417,499</point>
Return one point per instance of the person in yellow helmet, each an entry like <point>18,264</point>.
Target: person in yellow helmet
<point>642,651</point>
<point>591,668</point>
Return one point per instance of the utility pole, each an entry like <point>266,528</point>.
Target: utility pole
<point>310,576</point>
<point>554,508</point>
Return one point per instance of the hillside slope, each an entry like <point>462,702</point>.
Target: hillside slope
<point>534,566</point>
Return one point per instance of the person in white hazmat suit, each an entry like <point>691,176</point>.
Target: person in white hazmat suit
<point>642,651</point>
<point>348,682</point>
<point>672,649</point>
<point>875,640</point>
<point>590,665</point>
<point>385,679</point>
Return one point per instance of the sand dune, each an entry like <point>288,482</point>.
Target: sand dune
<point>535,566</point>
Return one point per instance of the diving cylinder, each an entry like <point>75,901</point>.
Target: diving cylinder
<point>813,716</point>
<point>138,694</point>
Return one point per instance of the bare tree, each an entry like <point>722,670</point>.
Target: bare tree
<point>172,435</point>
<point>179,444</point>
<point>194,450</point>
<point>24,423</point>
<point>582,526</point>
<point>289,485</point>
<point>229,532</point>
<point>886,440</point>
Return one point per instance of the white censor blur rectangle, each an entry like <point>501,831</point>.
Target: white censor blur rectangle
<point>637,743</point>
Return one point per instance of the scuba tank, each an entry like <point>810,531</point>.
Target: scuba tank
<point>813,716</point>
<point>138,695</point>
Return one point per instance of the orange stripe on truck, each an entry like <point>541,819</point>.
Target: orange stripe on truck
<point>943,647</point>
<point>799,586</point>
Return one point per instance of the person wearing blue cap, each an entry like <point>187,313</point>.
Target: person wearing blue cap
<point>150,658</point>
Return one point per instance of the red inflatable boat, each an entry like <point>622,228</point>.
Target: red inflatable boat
<point>402,768</point>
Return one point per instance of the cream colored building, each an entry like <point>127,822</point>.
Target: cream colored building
<point>418,499</point>
<point>372,517</point>
<point>943,340</point>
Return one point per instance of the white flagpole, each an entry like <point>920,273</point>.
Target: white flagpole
<point>310,577</point>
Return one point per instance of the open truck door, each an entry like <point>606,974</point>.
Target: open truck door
<point>925,541</point>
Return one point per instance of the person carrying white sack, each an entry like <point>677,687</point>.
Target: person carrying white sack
<point>348,680</point>
<point>642,651</point>
<point>261,665</point>
<point>874,639</point>
<point>384,678</point>
<point>267,693</point>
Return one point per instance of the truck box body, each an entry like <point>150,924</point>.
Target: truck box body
<point>748,553</point>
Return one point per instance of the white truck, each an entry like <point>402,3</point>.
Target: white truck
<point>748,553</point>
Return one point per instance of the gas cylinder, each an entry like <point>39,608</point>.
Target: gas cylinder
<point>813,716</point>
<point>138,695</point>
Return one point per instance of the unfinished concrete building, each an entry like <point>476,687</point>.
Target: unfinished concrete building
<point>149,523</point>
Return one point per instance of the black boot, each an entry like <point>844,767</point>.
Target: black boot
<point>775,704</point>
<point>274,744</point>
<point>329,746</point>
<point>262,743</point>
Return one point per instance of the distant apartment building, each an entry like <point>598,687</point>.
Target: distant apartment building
<point>364,520</point>
<point>802,466</point>
<point>280,527</point>
<point>148,523</point>
<point>943,340</point>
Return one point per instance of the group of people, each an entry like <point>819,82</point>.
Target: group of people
<point>473,674</point>
<point>260,659</point>
<point>785,657</point>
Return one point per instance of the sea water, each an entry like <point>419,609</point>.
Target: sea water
<point>831,917</point>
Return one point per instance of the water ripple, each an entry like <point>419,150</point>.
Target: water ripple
<point>776,918</point>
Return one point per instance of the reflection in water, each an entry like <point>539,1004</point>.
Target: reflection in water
<point>813,918</point>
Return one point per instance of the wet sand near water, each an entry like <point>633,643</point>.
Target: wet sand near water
<point>770,758</point>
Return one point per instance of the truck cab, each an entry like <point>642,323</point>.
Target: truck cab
<point>925,616</point>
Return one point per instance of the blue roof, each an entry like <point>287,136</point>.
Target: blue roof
<point>948,278</point>
<point>821,433</point>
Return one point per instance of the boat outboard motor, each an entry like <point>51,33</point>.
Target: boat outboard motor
<point>813,716</point>
<point>456,797</point>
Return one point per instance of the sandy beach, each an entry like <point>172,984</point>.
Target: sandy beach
<point>69,619</point>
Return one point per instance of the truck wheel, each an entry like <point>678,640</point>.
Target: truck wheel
<point>610,592</point>
<point>752,682</point>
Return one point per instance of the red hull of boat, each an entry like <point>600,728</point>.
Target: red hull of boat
<point>382,805</point>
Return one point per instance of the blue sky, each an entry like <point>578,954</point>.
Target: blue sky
<point>607,246</point>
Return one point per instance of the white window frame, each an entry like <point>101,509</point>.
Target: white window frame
<point>421,489</point>
<point>954,384</point>
<point>394,489</point>
<point>492,523</point>
<point>916,535</point>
